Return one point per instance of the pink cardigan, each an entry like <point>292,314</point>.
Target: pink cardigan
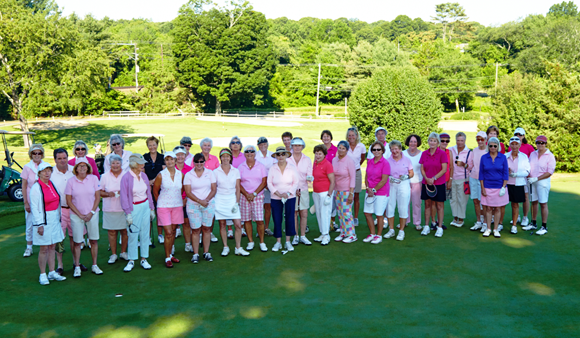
<point>127,192</point>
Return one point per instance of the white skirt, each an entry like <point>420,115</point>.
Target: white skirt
<point>113,220</point>
<point>224,205</point>
<point>52,230</point>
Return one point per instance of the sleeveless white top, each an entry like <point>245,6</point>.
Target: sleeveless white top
<point>170,193</point>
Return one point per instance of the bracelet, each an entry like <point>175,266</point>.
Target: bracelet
<point>92,212</point>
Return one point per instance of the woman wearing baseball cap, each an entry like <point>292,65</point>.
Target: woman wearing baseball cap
<point>474,185</point>
<point>543,164</point>
<point>527,149</point>
<point>519,169</point>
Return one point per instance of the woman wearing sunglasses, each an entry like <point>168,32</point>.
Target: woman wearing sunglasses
<point>358,153</point>
<point>186,143</point>
<point>527,149</point>
<point>29,176</point>
<point>117,145</point>
<point>519,168</point>
<point>543,164</point>
<point>345,178</point>
<point>474,185</point>
<point>434,164</point>
<point>444,142</point>
<point>493,177</point>
<point>400,189</point>
<point>180,155</point>
<point>253,176</point>
<point>81,151</point>
<point>236,149</point>
<point>303,166</point>
<point>377,194</point>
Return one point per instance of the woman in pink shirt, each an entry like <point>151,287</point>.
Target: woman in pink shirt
<point>527,149</point>
<point>180,154</point>
<point>81,150</point>
<point>303,166</point>
<point>462,158</point>
<point>236,149</point>
<point>283,183</point>
<point>29,177</point>
<point>323,191</point>
<point>400,193</point>
<point>345,175</point>
<point>326,138</point>
<point>474,184</point>
<point>83,196</point>
<point>211,161</point>
<point>543,165</point>
<point>113,215</point>
<point>413,141</point>
<point>117,146</point>
<point>445,139</point>
<point>377,196</point>
<point>45,207</point>
<point>358,153</point>
<point>433,168</point>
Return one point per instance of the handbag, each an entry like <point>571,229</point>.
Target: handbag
<point>466,188</point>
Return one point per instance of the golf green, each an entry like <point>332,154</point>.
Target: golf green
<point>456,286</point>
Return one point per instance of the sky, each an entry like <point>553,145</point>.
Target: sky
<point>488,13</point>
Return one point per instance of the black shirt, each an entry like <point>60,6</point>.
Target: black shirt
<point>153,168</point>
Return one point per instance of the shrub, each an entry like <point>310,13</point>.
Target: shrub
<point>472,115</point>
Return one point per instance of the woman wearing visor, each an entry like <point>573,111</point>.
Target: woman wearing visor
<point>303,166</point>
<point>117,145</point>
<point>377,194</point>
<point>81,150</point>
<point>519,170</point>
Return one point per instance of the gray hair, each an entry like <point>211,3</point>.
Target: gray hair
<point>114,157</point>
<point>185,140</point>
<point>116,137</point>
<point>492,140</point>
<point>83,144</point>
<point>356,132</point>
<point>250,146</point>
<point>206,140</point>
<point>395,143</point>
<point>133,165</point>
<point>435,136</point>
<point>236,138</point>
<point>459,134</point>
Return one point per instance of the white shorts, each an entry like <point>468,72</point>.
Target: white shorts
<point>79,226</point>
<point>475,187</point>
<point>52,230</point>
<point>541,191</point>
<point>304,201</point>
<point>378,207</point>
<point>399,197</point>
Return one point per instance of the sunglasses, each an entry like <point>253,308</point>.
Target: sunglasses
<point>540,142</point>
<point>116,144</point>
<point>518,134</point>
<point>445,141</point>
<point>278,155</point>
<point>180,147</point>
<point>187,145</point>
<point>249,151</point>
<point>39,153</point>
<point>479,139</point>
<point>199,162</point>
<point>493,146</point>
<point>377,149</point>
<point>80,149</point>
<point>236,142</point>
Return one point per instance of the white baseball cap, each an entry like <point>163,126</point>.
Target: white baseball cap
<point>520,131</point>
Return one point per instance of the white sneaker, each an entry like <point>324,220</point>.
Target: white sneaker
<point>178,232</point>
<point>500,227</point>
<point>377,239</point>
<point>225,251</point>
<point>390,233</point>
<point>55,276</point>
<point>398,226</point>
<point>305,240</point>
<point>496,234</point>
<point>250,246</point>
<point>453,223</point>
<point>350,239</point>
<point>401,235</point>
<point>426,230</point>
<point>28,252</point>
<point>477,226</point>
<point>43,279</point>
<point>529,227</point>
<point>77,272</point>
<point>124,256</point>
<point>128,267</point>
<point>296,240</point>
<point>385,225</point>
<point>95,269</point>
<point>263,247</point>
<point>160,239</point>
<point>112,259</point>
<point>241,252</point>
<point>525,222</point>
<point>339,238</point>
<point>337,229</point>
<point>145,264</point>
<point>319,239</point>
<point>459,225</point>
<point>369,238</point>
<point>483,227</point>
<point>439,232</point>
<point>289,246</point>
<point>188,247</point>
<point>492,219</point>
<point>487,232</point>
<point>213,238</point>
<point>514,230</point>
<point>542,231</point>
<point>277,246</point>
<point>230,234</point>
<point>325,240</point>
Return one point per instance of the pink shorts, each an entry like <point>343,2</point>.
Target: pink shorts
<point>169,216</point>
<point>252,211</point>
<point>65,222</point>
<point>493,199</point>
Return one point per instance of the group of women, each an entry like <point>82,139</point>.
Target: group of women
<point>246,185</point>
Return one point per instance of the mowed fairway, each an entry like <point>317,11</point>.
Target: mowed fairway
<point>456,286</point>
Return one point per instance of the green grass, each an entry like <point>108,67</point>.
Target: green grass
<point>460,285</point>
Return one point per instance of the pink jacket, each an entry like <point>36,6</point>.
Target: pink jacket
<point>127,192</point>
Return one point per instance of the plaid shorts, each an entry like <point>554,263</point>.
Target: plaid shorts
<point>252,211</point>
<point>199,215</point>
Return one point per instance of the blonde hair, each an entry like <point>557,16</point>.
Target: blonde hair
<point>354,129</point>
<point>36,146</point>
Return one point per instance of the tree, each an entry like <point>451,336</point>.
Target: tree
<point>222,54</point>
<point>448,15</point>
<point>565,8</point>
<point>397,98</point>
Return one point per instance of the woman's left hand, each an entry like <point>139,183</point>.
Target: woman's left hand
<point>41,230</point>
<point>88,217</point>
<point>350,198</point>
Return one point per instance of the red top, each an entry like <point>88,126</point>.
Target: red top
<point>184,171</point>
<point>320,172</point>
<point>92,163</point>
<point>51,198</point>
<point>432,164</point>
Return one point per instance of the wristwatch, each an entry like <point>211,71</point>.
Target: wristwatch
<point>254,193</point>
<point>92,212</point>
<point>374,190</point>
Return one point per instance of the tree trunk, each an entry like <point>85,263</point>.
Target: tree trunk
<point>457,105</point>
<point>218,107</point>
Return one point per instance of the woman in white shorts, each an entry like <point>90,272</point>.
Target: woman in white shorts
<point>543,164</point>
<point>400,189</point>
<point>45,208</point>
<point>413,141</point>
<point>474,184</point>
<point>377,196</point>
<point>227,201</point>
<point>83,194</point>
<point>357,152</point>
<point>167,192</point>
<point>200,189</point>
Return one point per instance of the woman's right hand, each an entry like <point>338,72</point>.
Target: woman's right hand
<point>41,230</point>
<point>483,193</point>
<point>111,194</point>
<point>203,203</point>
<point>27,207</point>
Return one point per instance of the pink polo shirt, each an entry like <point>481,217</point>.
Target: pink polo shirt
<point>344,173</point>
<point>331,153</point>
<point>432,164</point>
<point>400,167</point>
<point>236,161</point>
<point>320,172</point>
<point>286,182</point>
<point>83,192</point>
<point>304,168</point>
<point>251,179</point>
<point>460,172</point>
<point>30,176</point>
<point>212,162</point>
<point>200,186</point>
<point>375,172</point>
<point>189,159</point>
<point>139,188</point>
<point>356,154</point>
<point>542,164</point>
<point>110,183</point>
<point>477,154</point>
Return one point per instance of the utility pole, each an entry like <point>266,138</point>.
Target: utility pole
<point>318,90</point>
<point>345,106</point>
<point>496,72</point>
<point>136,69</point>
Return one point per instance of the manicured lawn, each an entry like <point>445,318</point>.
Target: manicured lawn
<point>457,286</point>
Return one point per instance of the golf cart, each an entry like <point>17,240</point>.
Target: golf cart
<point>10,181</point>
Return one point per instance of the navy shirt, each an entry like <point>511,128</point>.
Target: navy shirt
<point>493,173</point>
<point>153,168</point>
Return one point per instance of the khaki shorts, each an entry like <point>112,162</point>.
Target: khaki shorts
<point>304,201</point>
<point>358,181</point>
<point>78,226</point>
